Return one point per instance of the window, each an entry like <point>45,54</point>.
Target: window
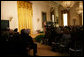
<point>65,19</point>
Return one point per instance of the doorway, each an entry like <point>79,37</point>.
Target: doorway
<point>44,20</point>
<point>65,18</point>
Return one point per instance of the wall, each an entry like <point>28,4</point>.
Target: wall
<point>9,9</point>
<point>38,8</point>
<point>59,11</point>
<point>73,15</point>
<point>55,6</point>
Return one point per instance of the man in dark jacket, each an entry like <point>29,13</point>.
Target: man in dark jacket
<point>28,41</point>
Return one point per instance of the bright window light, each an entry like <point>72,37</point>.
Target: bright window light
<point>65,19</point>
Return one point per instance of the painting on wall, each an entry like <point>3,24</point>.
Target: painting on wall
<point>44,18</point>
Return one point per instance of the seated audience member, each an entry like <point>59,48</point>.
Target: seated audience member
<point>28,41</point>
<point>4,40</point>
<point>76,35</point>
<point>19,43</point>
<point>16,30</point>
<point>4,34</point>
<point>66,36</point>
<point>16,34</point>
<point>11,33</point>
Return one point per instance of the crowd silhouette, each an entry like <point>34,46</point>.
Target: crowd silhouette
<point>68,39</point>
<point>13,43</point>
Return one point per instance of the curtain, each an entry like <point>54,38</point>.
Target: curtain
<point>24,15</point>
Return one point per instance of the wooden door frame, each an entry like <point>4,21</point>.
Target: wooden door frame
<point>80,19</point>
<point>42,17</point>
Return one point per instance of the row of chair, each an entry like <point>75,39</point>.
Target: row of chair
<point>72,47</point>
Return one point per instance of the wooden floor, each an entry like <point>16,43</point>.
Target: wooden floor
<point>44,50</point>
<point>34,35</point>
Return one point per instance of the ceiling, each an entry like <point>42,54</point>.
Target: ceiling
<point>59,2</point>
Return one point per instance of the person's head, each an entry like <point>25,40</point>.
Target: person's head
<point>15,30</point>
<point>11,31</point>
<point>23,31</point>
<point>66,31</point>
<point>27,31</point>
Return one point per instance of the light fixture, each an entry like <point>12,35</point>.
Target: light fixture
<point>80,8</point>
<point>67,4</point>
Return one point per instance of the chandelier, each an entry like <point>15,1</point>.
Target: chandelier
<point>67,4</point>
<point>80,8</point>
